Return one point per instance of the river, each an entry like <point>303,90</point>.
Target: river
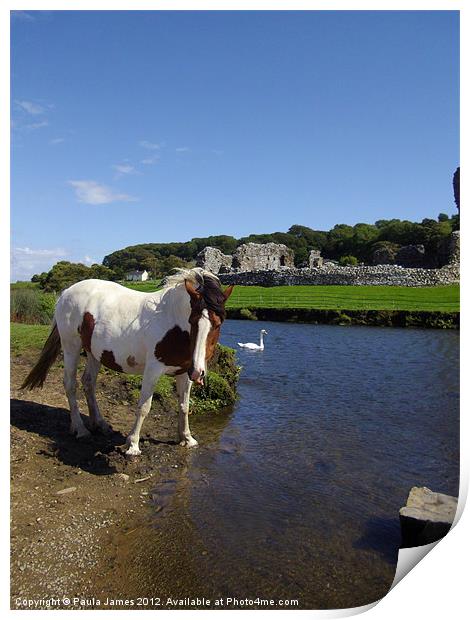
<point>295,493</point>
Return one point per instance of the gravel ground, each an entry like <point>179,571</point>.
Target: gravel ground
<point>75,505</point>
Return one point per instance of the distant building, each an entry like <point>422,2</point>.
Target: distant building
<point>247,257</point>
<point>213,260</point>
<point>315,259</point>
<point>137,276</point>
<point>262,256</point>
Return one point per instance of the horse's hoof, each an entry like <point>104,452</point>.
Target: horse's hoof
<point>81,434</point>
<point>102,427</point>
<point>133,451</point>
<point>188,443</point>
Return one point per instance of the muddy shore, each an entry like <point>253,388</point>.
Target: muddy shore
<point>78,509</point>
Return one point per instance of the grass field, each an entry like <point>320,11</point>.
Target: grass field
<point>143,287</point>
<point>24,337</point>
<point>435,298</point>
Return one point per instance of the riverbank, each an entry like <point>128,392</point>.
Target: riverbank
<point>376,318</point>
<point>77,508</point>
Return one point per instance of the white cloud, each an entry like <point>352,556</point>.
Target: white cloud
<point>26,261</point>
<point>30,107</point>
<point>152,146</point>
<point>36,253</point>
<point>88,260</point>
<point>93,193</point>
<point>182,149</point>
<point>124,169</point>
<point>150,160</point>
<point>23,16</point>
<point>29,126</point>
<point>56,141</point>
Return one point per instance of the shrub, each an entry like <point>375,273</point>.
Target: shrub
<point>348,260</point>
<point>31,306</point>
<point>245,313</point>
<point>215,394</point>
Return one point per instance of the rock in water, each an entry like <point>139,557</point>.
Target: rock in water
<point>427,517</point>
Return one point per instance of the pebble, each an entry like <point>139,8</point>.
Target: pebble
<point>67,490</point>
<point>124,477</point>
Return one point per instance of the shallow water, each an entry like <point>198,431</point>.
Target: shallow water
<point>295,493</point>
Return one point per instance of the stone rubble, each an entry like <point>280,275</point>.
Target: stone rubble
<point>330,274</point>
<point>272,264</point>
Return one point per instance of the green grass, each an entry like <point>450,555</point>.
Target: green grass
<point>25,337</point>
<point>143,287</point>
<point>23,284</point>
<point>218,392</point>
<point>436,298</point>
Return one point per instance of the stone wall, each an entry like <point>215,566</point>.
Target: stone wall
<point>378,275</point>
<point>213,260</point>
<point>411,256</point>
<point>247,257</point>
<point>262,256</point>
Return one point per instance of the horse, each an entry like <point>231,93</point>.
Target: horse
<point>172,331</point>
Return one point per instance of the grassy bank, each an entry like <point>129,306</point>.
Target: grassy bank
<point>436,298</point>
<point>218,392</point>
<point>362,305</point>
<point>433,299</point>
<point>377,318</point>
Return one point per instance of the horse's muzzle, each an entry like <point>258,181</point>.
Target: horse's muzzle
<point>197,377</point>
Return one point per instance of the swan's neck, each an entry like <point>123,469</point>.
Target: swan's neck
<point>261,343</point>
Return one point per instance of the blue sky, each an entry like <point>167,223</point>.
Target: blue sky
<point>133,127</point>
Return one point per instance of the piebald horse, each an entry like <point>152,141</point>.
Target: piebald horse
<point>173,331</point>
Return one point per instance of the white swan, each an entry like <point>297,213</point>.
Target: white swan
<point>252,345</point>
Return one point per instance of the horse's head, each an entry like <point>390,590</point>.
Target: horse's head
<point>207,315</point>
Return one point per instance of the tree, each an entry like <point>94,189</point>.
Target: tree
<point>63,274</point>
<point>170,263</point>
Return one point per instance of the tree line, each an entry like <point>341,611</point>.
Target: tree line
<point>342,240</point>
<point>344,243</point>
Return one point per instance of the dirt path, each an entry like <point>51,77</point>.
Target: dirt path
<point>75,505</point>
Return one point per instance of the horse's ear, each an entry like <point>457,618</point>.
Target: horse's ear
<point>192,291</point>
<point>228,291</point>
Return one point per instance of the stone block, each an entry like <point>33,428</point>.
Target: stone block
<point>427,517</point>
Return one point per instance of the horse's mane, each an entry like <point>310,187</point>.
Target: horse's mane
<point>206,283</point>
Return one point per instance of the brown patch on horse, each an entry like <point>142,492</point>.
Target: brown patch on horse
<point>174,349</point>
<point>131,361</point>
<point>107,359</point>
<point>213,336</point>
<point>86,330</point>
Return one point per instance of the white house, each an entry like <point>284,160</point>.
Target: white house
<point>137,276</point>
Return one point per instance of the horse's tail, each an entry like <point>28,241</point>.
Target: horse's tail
<point>49,354</point>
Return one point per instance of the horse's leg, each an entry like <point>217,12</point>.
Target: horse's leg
<point>89,386</point>
<point>151,374</point>
<point>71,357</point>
<point>183,387</point>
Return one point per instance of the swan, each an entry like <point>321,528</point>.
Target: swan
<point>252,345</point>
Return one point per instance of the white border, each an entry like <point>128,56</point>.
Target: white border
<point>439,586</point>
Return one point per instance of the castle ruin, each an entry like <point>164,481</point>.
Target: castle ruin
<point>247,257</point>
